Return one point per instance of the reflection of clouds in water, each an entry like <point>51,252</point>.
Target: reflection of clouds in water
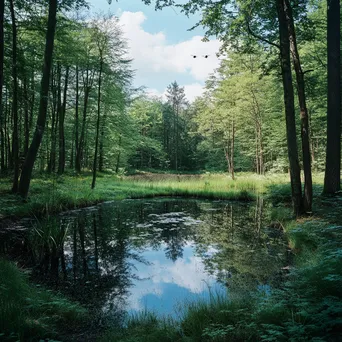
<point>187,275</point>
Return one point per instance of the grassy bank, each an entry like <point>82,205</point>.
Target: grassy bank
<point>308,307</point>
<point>51,195</point>
<point>31,313</point>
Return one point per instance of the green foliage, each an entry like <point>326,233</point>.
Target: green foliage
<point>28,312</point>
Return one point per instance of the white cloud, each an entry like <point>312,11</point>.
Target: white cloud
<point>191,91</point>
<point>153,54</point>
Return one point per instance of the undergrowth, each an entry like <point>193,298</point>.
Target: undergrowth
<point>29,312</point>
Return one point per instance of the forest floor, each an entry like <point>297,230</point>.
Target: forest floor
<point>49,195</point>
<point>307,306</point>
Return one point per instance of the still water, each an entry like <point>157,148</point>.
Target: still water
<point>127,256</point>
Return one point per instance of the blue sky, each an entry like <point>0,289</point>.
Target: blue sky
<point>161,46</point>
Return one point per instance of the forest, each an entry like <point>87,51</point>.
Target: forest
<point>76,132</point>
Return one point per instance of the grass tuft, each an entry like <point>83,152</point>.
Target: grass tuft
<point>30,313</point>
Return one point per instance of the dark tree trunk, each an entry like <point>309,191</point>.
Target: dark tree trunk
<point>2,119</point>
<point>61,159</point>
<point>43,104</point>
<point>78,167</point>
<point>54,124</point>
<point>291,135</point>
<point>304,117</point>
<point>26,118</point>
<point>332,177</point>
<point>15,138</point>
<point>87,89</point>
<point>97,125</point>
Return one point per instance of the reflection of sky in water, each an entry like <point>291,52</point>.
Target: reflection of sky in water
<point>164,283</point>
<point>136,256</point>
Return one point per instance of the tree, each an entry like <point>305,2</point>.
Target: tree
<point>176,98</point>
<point>26,173</point>
<point>284,39</point>
<point>2,135</point>
<point>304,116</point>
<point>332,177</point>
<point>15,139</point>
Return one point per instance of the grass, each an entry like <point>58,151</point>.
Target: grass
<point>30,313</point>
<point>56,194</point>
<point>52,195</point>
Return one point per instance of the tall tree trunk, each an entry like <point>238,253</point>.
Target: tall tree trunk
<point>87,89</point>
<point>72,153</point>
<point>26,118</point>
<point>226,154</point>
<point>2,118</point>
<point>61,159</point>
<point>232,147</point>
<point>118,157</point>
<point>291,135</point>
<point>54,118</point>
<point>78,167</point>
<point>26,173</point>
<point>304,117</point>
<point>101,157</point>
<point>332,177</point>
<point>97,124</point>
<point>177,113</point>
<point>15,138</point>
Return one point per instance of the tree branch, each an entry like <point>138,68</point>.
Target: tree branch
<point>260,37</point>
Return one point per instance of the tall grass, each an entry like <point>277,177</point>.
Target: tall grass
<point>28,312</point>
<point>52,195</point>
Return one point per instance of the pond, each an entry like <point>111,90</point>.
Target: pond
<point>128,256</point>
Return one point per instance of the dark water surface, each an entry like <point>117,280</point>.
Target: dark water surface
<point>127,256</point>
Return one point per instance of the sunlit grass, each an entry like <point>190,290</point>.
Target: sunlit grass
<point>55,194</point>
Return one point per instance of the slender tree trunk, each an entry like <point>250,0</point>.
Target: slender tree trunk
<point>54,118</point>
<point>26,118</point>
<point>78,167</point>
<point>61,160</point>
<point>304,117</point>
<point>257,151</point>
<point>44,92</point>
<point>72,153</point>
<point>177,112</point>
<point>101,157</point>
<point>2,119</point>
<point>97,124</point>
<point>332,179</point>
<point>226,154</point>
<point>291,135</point>
<point>261,152</point>
<point>79,154</point>
<point>232,150</point>
<point>15,138</point>
<point>118,157</point>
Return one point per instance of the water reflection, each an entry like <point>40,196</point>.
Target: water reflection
<point>132,255</point>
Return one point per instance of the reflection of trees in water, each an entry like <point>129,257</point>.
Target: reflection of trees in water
<point>155,227</point>
<point>92,253</point>
<point>241,255</point>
